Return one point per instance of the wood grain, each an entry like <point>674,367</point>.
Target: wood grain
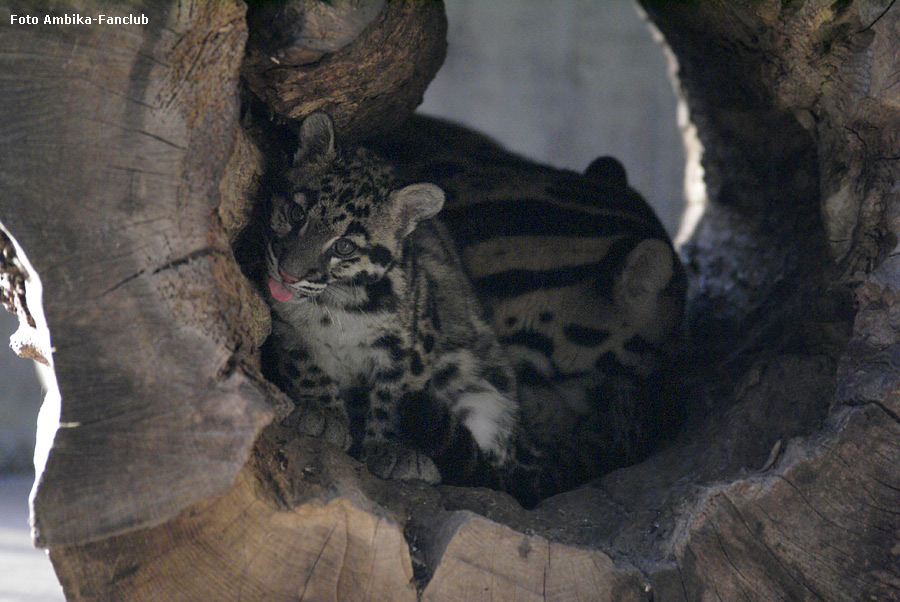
<point>112,143</point>
<point>368,86</point>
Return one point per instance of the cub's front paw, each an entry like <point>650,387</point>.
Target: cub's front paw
<point>313,420</point>
<point>390,460</point>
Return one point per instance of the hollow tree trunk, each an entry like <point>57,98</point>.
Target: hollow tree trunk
<point>119,144</point>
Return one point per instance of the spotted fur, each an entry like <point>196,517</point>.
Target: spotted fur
<point>581,285</point>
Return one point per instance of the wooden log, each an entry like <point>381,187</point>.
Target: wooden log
<point>304,521</point>
<point>366,64</point>
<point>802,188</point>
<point>275,535</point>
<point>113,142</point>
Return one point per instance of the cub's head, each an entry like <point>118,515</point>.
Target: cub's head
<point>340,221</point>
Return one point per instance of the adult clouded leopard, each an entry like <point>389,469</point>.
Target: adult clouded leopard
<point>374,317</point>
<point>381,311</point>
<point>582,286</point>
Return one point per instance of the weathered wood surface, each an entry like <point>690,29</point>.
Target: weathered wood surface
<point>113,141</point>
<point>366,64</point>
<point>798,108</point>
<point>784,487</point>
<point>262,540</point>
<point>303,521</point>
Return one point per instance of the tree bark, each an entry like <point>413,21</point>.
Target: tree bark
<point>797,110</point>
<point>123,176</point>
<point>114,140</point>
<point>366,64</point>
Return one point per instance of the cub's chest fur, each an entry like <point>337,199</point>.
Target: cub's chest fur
<point>340,342</point>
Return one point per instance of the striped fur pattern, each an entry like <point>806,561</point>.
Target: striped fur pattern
<point>377,334</point>
<point>581,285</point>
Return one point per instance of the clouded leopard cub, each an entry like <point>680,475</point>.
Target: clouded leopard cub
<point>374,317</point>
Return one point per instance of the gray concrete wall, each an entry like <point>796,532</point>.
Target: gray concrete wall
<point>564,82</point>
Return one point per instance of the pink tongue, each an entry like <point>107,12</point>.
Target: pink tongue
<point>279,291</point>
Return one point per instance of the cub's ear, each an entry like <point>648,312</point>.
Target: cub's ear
<point>414,203</point>
<point>316,140</point>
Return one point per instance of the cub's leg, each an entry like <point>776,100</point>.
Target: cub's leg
<point>320,410</point>
<point>383,453</point>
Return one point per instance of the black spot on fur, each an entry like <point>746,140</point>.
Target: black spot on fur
<point>531,340</point>
<point>326,321</point>
<point>432,311</point>
<point>380,255</point>
<point>362,278</point>
<point>307,383</point>
<point>356,227</point>
<point>515,282</point>
<point>428,343</point>
<point>424,423</point>
<point>498,378</point>
<point>545,316</point>
<point>393,344</point>
<point>585,336</point>
<point>358,210</point>
<point>415,363</point>
<point>526,374</point>
<point>390,375</point>
<point>381,414</point>
<point>443,376</point>
<point>511,321</point>
<point>344,198</point>
<point>379,294</point>
<point>608,364</point>
<point>489,219</point>
<point>639,345</point>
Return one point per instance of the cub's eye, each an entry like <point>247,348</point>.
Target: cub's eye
<point>343,247</point>
<point>296,214</point>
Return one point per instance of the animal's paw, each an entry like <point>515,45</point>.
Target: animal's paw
<point>390,460</point>
<point>329,424</point>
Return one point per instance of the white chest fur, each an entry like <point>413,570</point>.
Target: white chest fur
<point>339,341</point>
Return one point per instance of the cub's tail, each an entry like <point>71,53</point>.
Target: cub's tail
<point>526,475</point>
